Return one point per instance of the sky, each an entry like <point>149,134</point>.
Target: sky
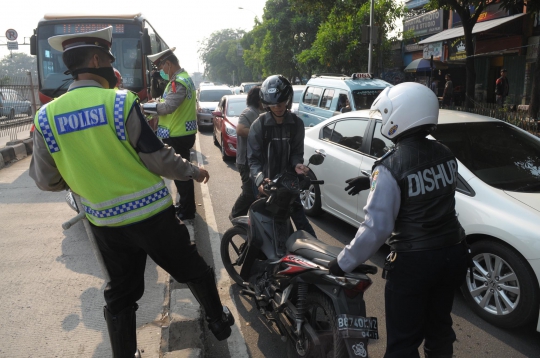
<point>182,24</point>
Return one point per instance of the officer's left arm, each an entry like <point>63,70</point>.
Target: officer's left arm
<point>173,100</point>
<point>381,212</point>
<point>297,144</point>
<point>160,159</point>
<point>43,168</point>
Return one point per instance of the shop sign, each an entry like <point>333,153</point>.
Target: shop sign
<point>491,12</point>
<point>425,24</point>
<point>532,48</point>
<point>433,49</point>
<point>456,49</point>
<point>414,48</point>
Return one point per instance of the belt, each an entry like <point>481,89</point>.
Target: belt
<point>429,244</point>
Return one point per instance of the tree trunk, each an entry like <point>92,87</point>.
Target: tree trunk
<point>469,65</point>
<point>534,105</point>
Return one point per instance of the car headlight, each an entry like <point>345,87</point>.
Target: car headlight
<point>231,131</point>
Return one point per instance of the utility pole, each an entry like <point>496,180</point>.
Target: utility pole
<point>370,35</point>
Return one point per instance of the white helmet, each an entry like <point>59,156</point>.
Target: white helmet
<point>406,106</point>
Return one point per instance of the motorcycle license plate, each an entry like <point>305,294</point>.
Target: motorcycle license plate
<point>357,326</point>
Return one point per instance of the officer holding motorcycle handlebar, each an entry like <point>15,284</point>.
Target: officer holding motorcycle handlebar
<point>411,203</point>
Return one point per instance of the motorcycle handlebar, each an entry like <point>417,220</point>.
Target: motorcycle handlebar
<point>317,182</point>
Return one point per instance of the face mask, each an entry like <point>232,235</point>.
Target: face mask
<point>164,75</point>
<point>106,72</point>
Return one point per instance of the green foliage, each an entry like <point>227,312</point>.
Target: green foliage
<point>17,64</point>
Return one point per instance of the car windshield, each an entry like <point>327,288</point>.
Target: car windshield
<point>235,108</point>
<point>499,154</point>
<point>364,98</point>
<point>213,95</point>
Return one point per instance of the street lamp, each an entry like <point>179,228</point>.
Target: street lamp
<point>241,8</point>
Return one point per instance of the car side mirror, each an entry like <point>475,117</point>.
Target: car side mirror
<point>317,158</point>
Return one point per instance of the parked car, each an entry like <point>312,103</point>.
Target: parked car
<point>246,86</point>
<point>207,99</point>
<point>12,104</point>
<point>225,122</point>
<point>326,95</point>
<point>297,96</point>
<point>497,200</point>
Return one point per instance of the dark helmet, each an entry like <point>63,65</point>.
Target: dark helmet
<point>275,89</point>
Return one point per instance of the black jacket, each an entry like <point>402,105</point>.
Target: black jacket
<point>274,148</point>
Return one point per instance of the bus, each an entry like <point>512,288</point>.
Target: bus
<point>133,39</point>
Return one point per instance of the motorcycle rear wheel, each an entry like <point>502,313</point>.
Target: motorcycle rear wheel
<point>321,316</point>
<point>233,245</point>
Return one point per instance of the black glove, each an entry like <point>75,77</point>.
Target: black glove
<point>334,268</point>
<point>357,184</point>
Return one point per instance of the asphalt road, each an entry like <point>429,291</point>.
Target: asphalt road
<point>475,337</point>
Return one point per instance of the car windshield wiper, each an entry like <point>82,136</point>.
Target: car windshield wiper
<point>64,83</point>
<point>528,187</point>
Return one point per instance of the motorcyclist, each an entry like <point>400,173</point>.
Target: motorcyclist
<point>411,203</point>
<point>276,142</point>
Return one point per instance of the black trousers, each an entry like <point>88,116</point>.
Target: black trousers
<point>186,189</point>
<point>247,196</point>
<point>419,295</point>
<point>124,250</point>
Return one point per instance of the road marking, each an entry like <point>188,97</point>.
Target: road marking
<point>236,342</point>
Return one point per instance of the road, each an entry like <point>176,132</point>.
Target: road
<point>475,337</point>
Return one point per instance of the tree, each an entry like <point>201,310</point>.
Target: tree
<point>534,105</point>
<point>17,64</point>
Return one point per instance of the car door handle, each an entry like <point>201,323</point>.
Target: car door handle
<point>366,173</point>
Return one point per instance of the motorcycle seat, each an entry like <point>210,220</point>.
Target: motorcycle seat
<point>304,244</point>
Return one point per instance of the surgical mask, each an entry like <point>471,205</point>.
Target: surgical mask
<point>164,75</point>
<point>106,72</point>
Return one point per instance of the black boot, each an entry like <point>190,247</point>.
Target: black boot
<point>123,332</point>
<point>219,317</point>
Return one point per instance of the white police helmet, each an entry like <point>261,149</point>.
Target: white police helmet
<point>405,107</point>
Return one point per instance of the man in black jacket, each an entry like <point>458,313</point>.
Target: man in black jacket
<point>276,142</point>
<point>411,203</point>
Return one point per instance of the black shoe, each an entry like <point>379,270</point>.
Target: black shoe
<point>122,332</point>
<point>221,328</point>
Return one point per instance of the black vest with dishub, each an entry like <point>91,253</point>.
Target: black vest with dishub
<point>426,172</point>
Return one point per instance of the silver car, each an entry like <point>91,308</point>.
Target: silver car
<point>12,104</point>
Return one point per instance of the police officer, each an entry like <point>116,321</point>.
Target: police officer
<point>95,140</point>
<point>411,202</point>
<point>177,125</point>
<point>276,142</point>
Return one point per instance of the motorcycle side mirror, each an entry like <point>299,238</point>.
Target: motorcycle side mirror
<point>316,159</point>
<point>71,201</point>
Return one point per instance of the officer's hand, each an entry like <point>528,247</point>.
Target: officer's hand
<point>261,187</point>
<point>203,176</point>
<point>357,184</point>
<point>334,268</point>
<point>301,169</point>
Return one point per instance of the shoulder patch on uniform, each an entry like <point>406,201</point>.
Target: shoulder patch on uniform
<point>374,177</point>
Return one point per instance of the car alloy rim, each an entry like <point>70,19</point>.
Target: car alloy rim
<point>307,197</point>
<point>495,287</point>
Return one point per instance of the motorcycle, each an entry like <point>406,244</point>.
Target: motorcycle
<point>286,273</point>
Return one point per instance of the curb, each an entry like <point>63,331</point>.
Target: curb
<point>16,150</point>
<point>186,333</point>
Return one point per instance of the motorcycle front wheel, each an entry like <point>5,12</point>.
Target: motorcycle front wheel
<point>321,316</point>
<point>233,247</point>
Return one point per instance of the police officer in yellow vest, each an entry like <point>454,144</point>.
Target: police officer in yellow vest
<point>95,140</point>
<point>177,120</point>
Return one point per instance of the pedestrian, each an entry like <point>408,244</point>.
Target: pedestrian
<point>276,142</point>
<point>347,107</point>
<point>448,92</point>
<point>94,140</point>
<point>177,124</point>
<point>246,119</point>
<point>435,86</point>
<point>411,205</point>
<point>502,88</point>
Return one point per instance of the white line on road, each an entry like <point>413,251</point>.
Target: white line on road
<point>236,342</point>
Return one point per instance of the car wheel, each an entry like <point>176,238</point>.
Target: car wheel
<point>311,198</point>
<point>216,143</point>
<point>504,290</point>
<point>29,112</point>
<point>224,155</point>
<point>11,114</point>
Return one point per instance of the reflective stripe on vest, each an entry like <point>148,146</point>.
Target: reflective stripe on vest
<point>48,134</point>
<point>119,114</point>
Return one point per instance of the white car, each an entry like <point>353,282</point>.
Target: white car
<point>497,200</point>
<point>297,97</point>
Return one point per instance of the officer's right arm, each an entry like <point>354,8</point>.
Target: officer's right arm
<point>43,168</point>
<point>157,157</point>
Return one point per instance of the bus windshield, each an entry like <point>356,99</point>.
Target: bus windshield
<point>126,48</point>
